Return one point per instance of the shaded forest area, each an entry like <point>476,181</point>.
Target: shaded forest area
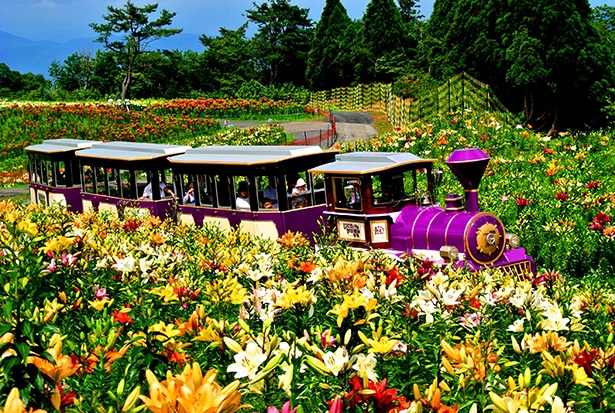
<point>551,60</point>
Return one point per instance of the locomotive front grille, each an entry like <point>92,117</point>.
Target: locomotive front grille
<point>520,269</point>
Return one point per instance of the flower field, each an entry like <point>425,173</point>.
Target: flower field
<point>556,192</point>
<point>109,314</point>
<point>189,122</point>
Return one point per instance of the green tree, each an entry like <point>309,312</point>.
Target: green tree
<point>107,74</point>
<point>282,41</point>
<point>543,57</point>
<point>410,11</point>
<point>386,42</point>
<point>228,59</point>
<point>168,74</point>
<point>135,32</point>
<point>75,73</point>
<point>329,61</point>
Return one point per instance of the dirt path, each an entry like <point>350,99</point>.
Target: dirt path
<point>350,126</point>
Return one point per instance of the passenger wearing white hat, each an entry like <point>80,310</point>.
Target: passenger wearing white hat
<point>298,191</point>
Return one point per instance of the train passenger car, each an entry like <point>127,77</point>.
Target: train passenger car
<point>53,169</point>
<point>118,174</point>
<point>266,190</point>
<point>386,200</point>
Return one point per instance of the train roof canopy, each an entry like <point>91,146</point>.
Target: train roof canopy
<point>61,145</point>
<point>362,163</point>
<point>131,151</point>
<point>246,155</point>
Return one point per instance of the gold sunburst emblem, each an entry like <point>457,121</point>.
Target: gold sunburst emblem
<point>488,239</point>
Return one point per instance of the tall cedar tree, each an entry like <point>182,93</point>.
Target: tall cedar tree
<point>228,59</point>
<point>329,65</point>
<point>282,41</point>
<point>544,57</point>
<point>386,41</point>
<point>410,11</point>
<point>135,33</point>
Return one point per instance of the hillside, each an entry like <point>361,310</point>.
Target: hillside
<point>35,56</point>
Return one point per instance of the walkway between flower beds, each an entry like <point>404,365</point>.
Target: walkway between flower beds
<point>350,126</point>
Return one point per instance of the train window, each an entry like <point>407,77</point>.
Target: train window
<point>347,193</point>
<point>300,190</point>
<point>142,179</point>
<point>267,192</point>
<point>112,182</point>
<point>223,191</point>
<point>49,175</point>
<point>127,184</point>
<point>202,184</point>
<point>88,179</point>
<point>60,172</point>
<point>388,189</point>
<point>242,192</point>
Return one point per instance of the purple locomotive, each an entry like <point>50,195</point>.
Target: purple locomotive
<point>374,199</point>
<point>385,200</point>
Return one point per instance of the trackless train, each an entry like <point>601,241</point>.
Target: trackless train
<point>375,200</point>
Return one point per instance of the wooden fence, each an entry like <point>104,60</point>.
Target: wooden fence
<point>459,94</point>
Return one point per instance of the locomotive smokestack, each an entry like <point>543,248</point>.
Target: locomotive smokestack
<point>469,165</point>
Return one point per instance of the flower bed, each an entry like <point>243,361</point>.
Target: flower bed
<point>109,314</point>
<point>554,192</point>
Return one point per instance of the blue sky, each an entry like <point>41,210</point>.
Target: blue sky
<point>63,20</point>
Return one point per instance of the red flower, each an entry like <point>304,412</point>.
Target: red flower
<point>393,275</point>
<point>66,399</point>
<point>523,201</point>
<point>121,317</point>
<point>602,218</point>
<point>562,196</point>
<point>586,359</point>
<point>592,184</point>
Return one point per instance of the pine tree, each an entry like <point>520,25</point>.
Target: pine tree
<point>386,42</point>
<point>329,64</point>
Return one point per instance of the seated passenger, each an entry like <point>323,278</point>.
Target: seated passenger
<point>269,204</point>
<point>270,192</point>
<point>298,198</point>
<point>189,195</point>
<point>164,191</point>
<point>243,199</point>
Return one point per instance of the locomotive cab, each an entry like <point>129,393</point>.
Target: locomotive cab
<point>367,190</point>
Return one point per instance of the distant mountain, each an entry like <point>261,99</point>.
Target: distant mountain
<point>35,56</point>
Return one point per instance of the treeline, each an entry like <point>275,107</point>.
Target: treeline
<point>551,60</point>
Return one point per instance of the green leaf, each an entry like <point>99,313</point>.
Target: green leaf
<point>23,349</point>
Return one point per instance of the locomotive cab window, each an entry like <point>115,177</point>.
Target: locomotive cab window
<point>347,193</point>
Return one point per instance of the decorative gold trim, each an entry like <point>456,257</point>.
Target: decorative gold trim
<point>414,224</point>
<point>453,209</point>
<point>447,227</point>
<point>471,190</point>
<point>429,226</point>
<point>466,236</point>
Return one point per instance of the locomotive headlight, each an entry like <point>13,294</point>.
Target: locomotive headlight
<point>512,241</point>
<point>449,253</point>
